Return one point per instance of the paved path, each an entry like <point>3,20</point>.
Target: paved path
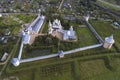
<point>17,13</point>
<point>60,4</point>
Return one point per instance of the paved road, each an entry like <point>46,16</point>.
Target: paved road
<point>107,10</point>
<point>17,13</point>
<point>60,4</point>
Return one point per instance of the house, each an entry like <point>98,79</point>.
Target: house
<point>4,57</point>
<point>7,32</point>
<point>4,40</point>
<point>116,25</point>
<point>0,15</point>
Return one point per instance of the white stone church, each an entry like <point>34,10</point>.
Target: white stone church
<point>56,30</point>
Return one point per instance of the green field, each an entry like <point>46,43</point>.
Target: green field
<point>82,68</point>
<point>96,67</point>
<point>105,29</point>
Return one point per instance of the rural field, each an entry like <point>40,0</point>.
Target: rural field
<point>105,29</point>
<point>95,67</point>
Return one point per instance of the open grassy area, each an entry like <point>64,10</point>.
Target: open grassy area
<point>82,68</point>
<point>92,68</point>
<point>55,72</point>
<point>45,29</point>
<point>105,29</point>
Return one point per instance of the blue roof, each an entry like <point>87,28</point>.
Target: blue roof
<point>38,25</point>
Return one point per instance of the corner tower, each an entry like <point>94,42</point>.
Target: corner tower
<point>109,41</point>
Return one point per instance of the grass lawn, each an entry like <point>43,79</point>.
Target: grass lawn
<point>55,72</point>
<point>108,76</point>
<point>105,29</point>
<point>112,75</point>
<point>45,29</point>
<point>115,62</point>
<point>92,68</point>
<point>86,69</point>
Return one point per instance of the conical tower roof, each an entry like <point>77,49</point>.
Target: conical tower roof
<point>109,39</point>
